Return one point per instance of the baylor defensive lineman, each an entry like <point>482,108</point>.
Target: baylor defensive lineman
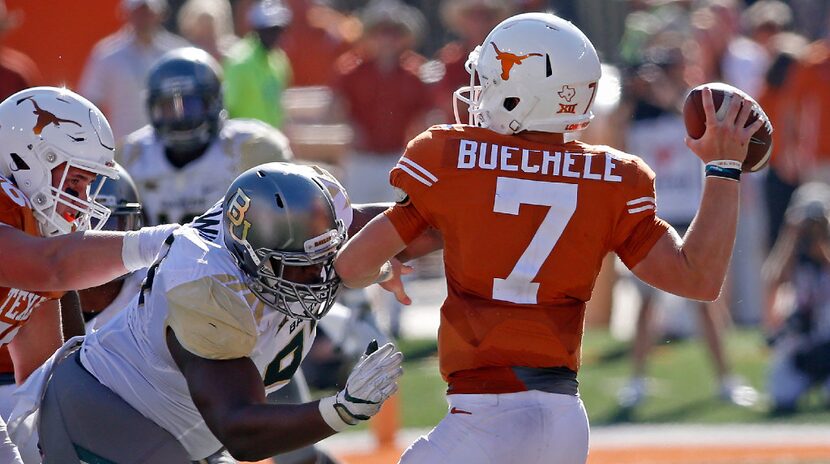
<point>226,314</point>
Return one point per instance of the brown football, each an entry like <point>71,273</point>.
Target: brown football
<point>760,145</point>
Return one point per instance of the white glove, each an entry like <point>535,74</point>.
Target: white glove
<point>372,381</point>
<point>140,247</point>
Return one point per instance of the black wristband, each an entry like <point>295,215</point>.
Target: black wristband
<point>726,173</point>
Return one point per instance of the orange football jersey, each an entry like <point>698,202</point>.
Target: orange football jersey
<point>16,305</point>
<point>526,224</point>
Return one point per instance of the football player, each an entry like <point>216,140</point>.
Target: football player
<point>55,143</point>
<point>527,214</point>
<point>188,155</point>
<point>190,152</point>
<point>225,315</point>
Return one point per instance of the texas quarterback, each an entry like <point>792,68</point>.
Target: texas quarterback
<point>526,217</point>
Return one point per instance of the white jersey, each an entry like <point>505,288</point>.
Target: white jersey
<point>171,194</point>
<point>129,290</point>
<point>196,289</point>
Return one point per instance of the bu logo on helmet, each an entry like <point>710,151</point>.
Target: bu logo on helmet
<point>237,207</point>
<point>44,118</point>
<point>508,60</point>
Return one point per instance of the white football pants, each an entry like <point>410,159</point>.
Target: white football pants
<point>527,427</point>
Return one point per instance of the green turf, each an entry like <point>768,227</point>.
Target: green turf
<point>684,389</point>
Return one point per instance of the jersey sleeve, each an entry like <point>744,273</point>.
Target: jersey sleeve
<point>417,170</point>
<point>638,228</point>
<point>211,320</point>
<point>407,220</point>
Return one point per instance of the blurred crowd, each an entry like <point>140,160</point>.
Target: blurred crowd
<point>349,82</point>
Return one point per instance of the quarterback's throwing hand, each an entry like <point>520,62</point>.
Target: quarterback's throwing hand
<point>372,381</point>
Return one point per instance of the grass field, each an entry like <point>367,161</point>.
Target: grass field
<point>682,381</point>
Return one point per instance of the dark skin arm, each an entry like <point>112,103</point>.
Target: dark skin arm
<point>231,398</point>
<point>72,319</point>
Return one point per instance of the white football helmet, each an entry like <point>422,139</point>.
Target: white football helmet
<point>536,72</point>
<point>42,128</point>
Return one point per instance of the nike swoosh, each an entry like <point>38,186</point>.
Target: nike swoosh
<point>455,410</point>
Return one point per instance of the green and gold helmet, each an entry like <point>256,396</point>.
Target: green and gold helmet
<point>280,225</point>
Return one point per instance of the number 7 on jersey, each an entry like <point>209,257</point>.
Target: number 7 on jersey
<point>511,193</point>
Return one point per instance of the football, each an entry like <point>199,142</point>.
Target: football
<point>760,145</point>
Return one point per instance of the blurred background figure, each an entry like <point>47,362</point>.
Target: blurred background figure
<point>185,159</point>
<point>469,22</point>
<point>116,71</point>
<point>800,336</point>
<point>382,96</point>
<point>656,91</point>
<point>744,64</point>
<point>749,54</point>
<point>807,130</point>
<point>314,40</point>
<point>17,71</point>
<point>385,102</point>
<point>208,24</point>
<point>257,70</point>
<point>714,24</point>
<point>782,176</point>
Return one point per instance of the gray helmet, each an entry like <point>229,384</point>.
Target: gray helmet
<point>120,196</point>
<point>279,220</point>
<point>184,99</point>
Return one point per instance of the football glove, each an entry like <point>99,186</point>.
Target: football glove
<point>372,381</point>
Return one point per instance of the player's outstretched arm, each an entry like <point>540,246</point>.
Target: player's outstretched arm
<point>695,266</point>
<point>230,396</point>
<point>75,261</point>
<point>360,261</point>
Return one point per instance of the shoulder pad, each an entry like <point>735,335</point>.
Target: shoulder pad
<point>211,319</point>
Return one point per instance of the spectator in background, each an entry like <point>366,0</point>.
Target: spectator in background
<point>314,40</point>
<point>207,24</point>
<point>748,55</point>
<point>17,71</point>
<point>469,21</point>
<point>117,68</point>
<point>782,176</point>
<point>806,133</point>
<point>801,259</point>
<point>744,64</point>
<point>714,23</point>
<point>385,102</point>
<point>382,95</point>
<point>257,70</point>
<point>656,133</point>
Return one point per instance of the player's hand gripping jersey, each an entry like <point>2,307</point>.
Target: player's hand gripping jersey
<point>171,194</point>
<point>197,289</point>
<point>16,305</point>
<point>526,224</point>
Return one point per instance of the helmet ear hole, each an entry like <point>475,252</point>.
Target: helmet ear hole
<point>510,103</point>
